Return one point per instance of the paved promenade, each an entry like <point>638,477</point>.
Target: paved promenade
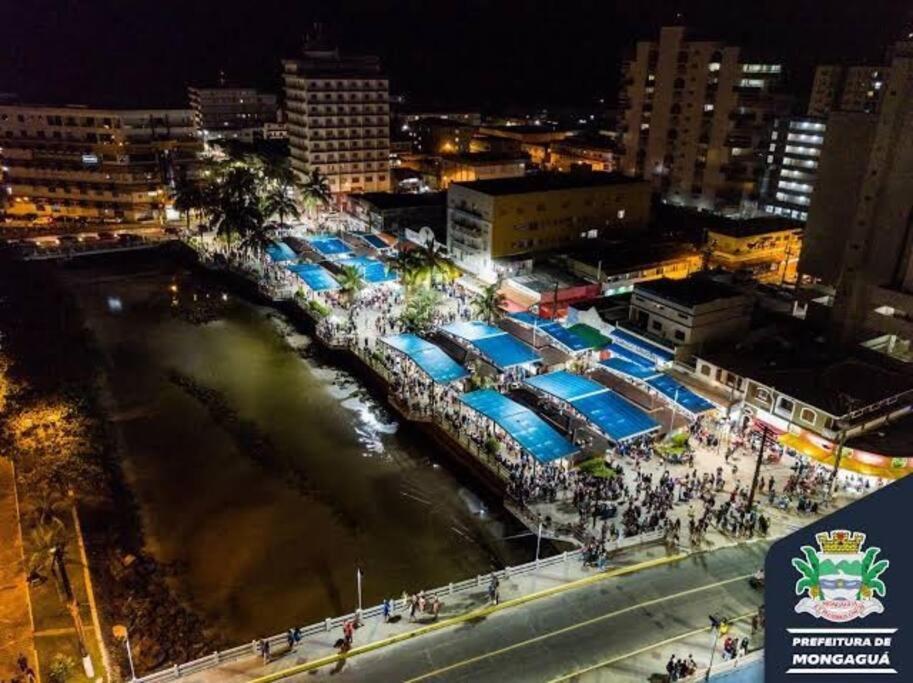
<point>626,621</point>
<point>15,620</point>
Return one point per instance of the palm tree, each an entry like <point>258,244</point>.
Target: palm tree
<point>489,304</point>
<point>49,555</point>
<point>350,282</point>
<point>315,189</point>
<point>407,266</point>
<point>433,266</point>
<point>238,209</point>
<point>188,197</point>
<point>279,200</point>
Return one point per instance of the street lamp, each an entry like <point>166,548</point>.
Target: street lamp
<point>718,627</point>
<point>120,633</point>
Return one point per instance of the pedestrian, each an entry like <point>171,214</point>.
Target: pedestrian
<point>290,639</point>
<point>22,662</point>
<point>264,650</point>
<point>413,605</point>
<point>348,632</point>
<point>386,610</point>
<point>436,606</point>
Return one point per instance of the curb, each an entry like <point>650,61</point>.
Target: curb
<point>468,616</point>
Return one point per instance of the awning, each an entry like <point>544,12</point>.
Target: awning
<point>432,360</point>
<point>530,431</point>
<point>612,414</point>
<point>803,445</point>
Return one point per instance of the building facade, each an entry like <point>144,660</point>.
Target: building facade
<point>338,119</point>
<point>864,252</point>
<point>691,312</point>
<point>232,113</point>
<point>847,88</point>
<point>791,167</point>
<point>95,164</point>
<point>767,249</point>
<point>695,119</point>
<point>492,219</point>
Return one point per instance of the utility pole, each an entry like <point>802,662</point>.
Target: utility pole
<point>837,458</point>
<point>765,432</point>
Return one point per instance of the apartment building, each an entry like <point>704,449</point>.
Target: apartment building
<point>97,164</point>
<point>695,117</point>
<point>859,245</point>
<point>338,111</point>
<point>791,166</point>
<point>232,113</point>
<point>847,88</point>
<point>489,220</point>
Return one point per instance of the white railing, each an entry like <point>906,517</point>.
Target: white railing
<point>479,582</point>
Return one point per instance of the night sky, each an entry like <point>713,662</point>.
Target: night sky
<point>481,53</point>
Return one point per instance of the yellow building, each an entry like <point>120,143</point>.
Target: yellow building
<point>766,248</point>
<point>492,219</point>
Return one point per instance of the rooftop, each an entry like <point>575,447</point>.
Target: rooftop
<point>690,291</point>
<point>621,256</point>
<point>812,369</point>
<point>402,200</point>
<point>894,439</point>
<point>484,158</point>
<point>750,227</point>
<point>548,182</point>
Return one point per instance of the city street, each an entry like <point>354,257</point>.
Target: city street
<point>615,619</point>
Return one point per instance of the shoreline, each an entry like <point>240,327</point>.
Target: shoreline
<point>131,586</point>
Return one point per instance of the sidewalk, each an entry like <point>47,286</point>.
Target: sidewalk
<point>15,618</point>
<point>640,667</point>
<point>375,629</point>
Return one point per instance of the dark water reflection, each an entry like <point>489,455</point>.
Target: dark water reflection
<point>266,536</point>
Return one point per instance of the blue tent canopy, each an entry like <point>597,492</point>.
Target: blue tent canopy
<point>609,412</point>
<point>565,386</point>
<point>315,276</point>
<point>530,431</point>
<point>328,245</point>
<point>556,332</point>
<point>371,270</point>
<point>505,351</point>
<point>621,352</point>
<point>494,344</point>
<point>374,241</point>
<point>681,395</point>
<point>623,366</point>
<point>641,346</point>
<point>616,417</point>
<point>435,363</point>
<point>280,251</point>
<point>472,331</point>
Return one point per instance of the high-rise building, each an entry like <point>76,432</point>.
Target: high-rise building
<point>79,162</point>
<point>791,166</point>
<point>232,113</point>
<point>847,88</point>
<point>860,227</point>
<point>695,120</point>
<point>338,113</point>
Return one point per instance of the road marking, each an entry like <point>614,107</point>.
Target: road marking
<point>573,627</point>
<point>613,660</point>
<point>468,616</point>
